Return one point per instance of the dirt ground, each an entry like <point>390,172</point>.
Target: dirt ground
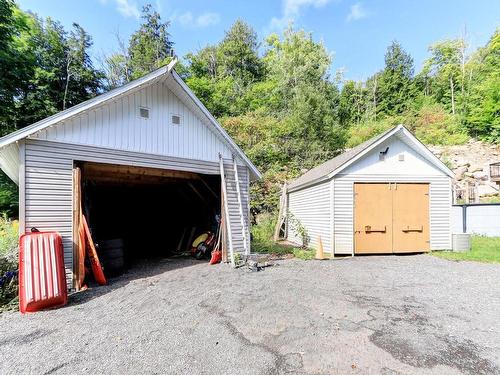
<point>362,315</point>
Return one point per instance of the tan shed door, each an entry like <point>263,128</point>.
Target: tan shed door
<point>372,218</point>
<point>391,218</point>
<point>410,218</point>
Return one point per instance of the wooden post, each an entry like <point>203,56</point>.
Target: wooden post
<point>281,213</point>
<point>78,250</point>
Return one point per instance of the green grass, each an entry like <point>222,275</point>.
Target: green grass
<point>262,237</point>
<point>304,254</point>
<point>492,199</point>
<point>484,249</point>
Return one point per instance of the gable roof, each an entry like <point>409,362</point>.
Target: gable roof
<point>334,166</point>
<point>157,75</point>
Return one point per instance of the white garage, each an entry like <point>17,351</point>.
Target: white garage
<point>389,194</point>
<point>146,163</point>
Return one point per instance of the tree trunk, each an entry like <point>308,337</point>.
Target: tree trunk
<point>68,75</point>
<point>452,96</point>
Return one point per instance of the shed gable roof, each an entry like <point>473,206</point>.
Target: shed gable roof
<point>334,166</point>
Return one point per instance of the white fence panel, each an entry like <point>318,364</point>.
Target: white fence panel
<point>483,219</point>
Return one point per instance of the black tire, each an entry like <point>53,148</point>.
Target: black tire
<point>114,243</point>
<point>112,253</point>
<point>114,264</point>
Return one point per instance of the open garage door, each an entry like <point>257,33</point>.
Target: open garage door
<point>136,212</point>
<point>391,218</point>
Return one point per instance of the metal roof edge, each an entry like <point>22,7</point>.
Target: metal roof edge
<point>307,184</point>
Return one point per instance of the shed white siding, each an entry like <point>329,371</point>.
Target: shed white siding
<point>118,125</point>
<point>402,164</point>
<point>49,184</point>
<point>311,207</point>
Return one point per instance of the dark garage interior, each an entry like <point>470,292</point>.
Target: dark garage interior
<point>135,213</point>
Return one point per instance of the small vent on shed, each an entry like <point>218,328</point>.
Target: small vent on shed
<point>144,112</point>
<point>401,157</point>
<point>176,119</point>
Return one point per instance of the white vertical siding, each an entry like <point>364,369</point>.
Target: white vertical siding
<point>439,201</point>
<point>311,207</point>
<point>117,125</point>
<point>49,184</point>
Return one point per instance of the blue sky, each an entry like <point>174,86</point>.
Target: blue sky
<point>356,32</point>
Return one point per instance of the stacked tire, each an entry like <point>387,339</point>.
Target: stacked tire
<point>111,255</point>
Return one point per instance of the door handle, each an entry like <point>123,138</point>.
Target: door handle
<point>408,229</point>
<point>369,229</point>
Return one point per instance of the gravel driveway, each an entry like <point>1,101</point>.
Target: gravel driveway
<point>384,314</point>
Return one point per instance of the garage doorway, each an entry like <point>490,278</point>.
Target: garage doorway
<point>391,218</point>
<point>137,213</point>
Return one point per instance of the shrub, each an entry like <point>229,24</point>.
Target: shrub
<point>262,236</point>
<point>9,239</point>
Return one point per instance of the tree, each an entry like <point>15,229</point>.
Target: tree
<point>395,86</point>
<point>63,75</point>
<point>223,74</point>
<point>446,67</point>
<point>149,47</point>
<point>483,118</point>
<point>16,62</point>
<point>238,53</point>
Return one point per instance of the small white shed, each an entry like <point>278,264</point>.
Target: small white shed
<point>389,194</point>
<point>144,161</point>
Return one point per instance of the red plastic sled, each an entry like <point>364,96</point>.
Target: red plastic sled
<point>92,254</point>
<point>42,279</point>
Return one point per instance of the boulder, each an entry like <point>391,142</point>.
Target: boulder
<point>459,172</point>
<point>475,168</point>
<point>480,175</point>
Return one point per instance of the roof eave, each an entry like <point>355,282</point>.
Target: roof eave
<point>308,183</point>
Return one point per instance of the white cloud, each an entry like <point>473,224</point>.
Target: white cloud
<point>127,8</point>
<point>203,20</point>
<point>357,12</point>
<point>292,10</point>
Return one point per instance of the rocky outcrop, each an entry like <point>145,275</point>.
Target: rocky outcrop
<point>471,164</point>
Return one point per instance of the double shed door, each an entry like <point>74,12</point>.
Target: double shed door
<point>391,218</point>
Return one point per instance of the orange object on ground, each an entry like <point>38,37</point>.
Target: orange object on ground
<point>92,254</point>
<point>216,252</point>
<point>42,278</point>
<point>216,257</point>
